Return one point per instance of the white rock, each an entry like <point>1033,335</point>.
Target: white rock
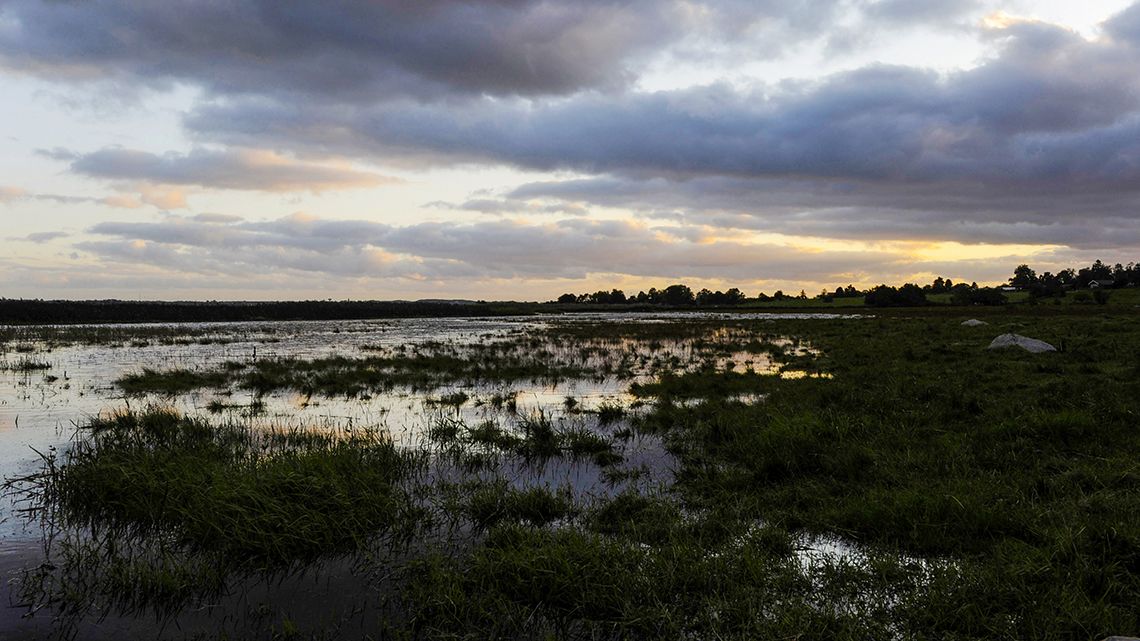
<point>973,322</point>
<point>1016,340</point>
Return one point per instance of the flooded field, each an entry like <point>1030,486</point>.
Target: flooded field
<point>516,404</point>
<point>586,476</point>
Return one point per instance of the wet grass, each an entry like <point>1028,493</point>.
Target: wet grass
<point>1021,468</point>
<point>556,353</point>
<point>988,495</point>
<point>573,583</point>
<point>253,499</point>
<point>345,376</point>
<point>533,437</point>
<point>152,508</point>
<point>492,503</point>
<point>169,382</point>
<point>49,337</point>
<point>979,494</point>
<point>25,364</point>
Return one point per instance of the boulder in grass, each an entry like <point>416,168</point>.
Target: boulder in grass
<point>973,322</point>
<point>1028,344</point>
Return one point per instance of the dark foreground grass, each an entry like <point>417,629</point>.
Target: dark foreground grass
<point>1019,469</point>
<point>988,495</point>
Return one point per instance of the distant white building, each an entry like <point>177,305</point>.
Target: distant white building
<point>1101,284</point>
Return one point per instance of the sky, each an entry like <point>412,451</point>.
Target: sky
<point>520,149</point>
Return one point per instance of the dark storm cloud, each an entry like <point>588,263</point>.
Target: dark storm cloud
<point>346,50</point>
<point>350,51</point>
<point>229,169</point>
<point>341,49</point>
<point>1053,109</point>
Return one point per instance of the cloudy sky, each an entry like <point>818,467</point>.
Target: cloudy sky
<point>519,149</point>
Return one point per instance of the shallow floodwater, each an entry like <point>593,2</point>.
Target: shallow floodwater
<point>49,387</point>
<point>39,408</point>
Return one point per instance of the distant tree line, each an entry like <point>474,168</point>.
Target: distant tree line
<point>911,295</point>
<point>20,311</point>
<point>672,296</point>
<point>1098,275</point>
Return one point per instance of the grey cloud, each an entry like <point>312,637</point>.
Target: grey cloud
<point>228,169</point>
<point>363,52</point>
<point>864,211</point>
<point>917,11</point>
<point>511,207</point>
<point>14,194</point>
<point>45,236</point>
<point>297,232</point>
<point>1030,117</point>
<point>1125,26</point>
<point>572,248</point>
<point>127,279</point>
<point>259,262</point>
<point>216,218</point>
<point>58,153</point>
<point>64,199</point>
<point>1041,142</point>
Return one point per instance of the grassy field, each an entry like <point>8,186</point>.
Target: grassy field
<point>963,493</point>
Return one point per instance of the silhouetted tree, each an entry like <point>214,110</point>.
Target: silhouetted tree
<point>909,295</point>
<point>677,295</point>
<point>974,295</point>
<point>1047,285</point>
<point>1023,277</point>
